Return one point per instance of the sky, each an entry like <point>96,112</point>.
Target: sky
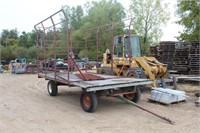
<point>24,14</point>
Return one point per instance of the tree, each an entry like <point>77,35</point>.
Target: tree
<point>148,18</point>
<point>76,17</point>
<point>189,13</point>
<point>23,39</point>
<point>103,12</point>
<point>98,14</point>
<point>7,53</point>
<point>27,39</point>
<point>9,37</point>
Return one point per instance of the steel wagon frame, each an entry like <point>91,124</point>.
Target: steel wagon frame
<point>50,43</point>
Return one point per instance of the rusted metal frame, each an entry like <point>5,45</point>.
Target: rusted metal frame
<point>111,44</point>
<point>121,70</point>
<point>44,44</point>
<point>54,45</point>
<point>71,41</point>
<point>68,49</point>
<point>38,62</point>
<point>130,48</point>
<point>55,24</point>
<point>97,50</point>
<point>77,67</point>
<point>106,25</point>
<point>67,42</point>
<point>123,93</point>
<point>50,17</point>
<point>86,48</point>
<point>138,106</point>
<point>38,41</point>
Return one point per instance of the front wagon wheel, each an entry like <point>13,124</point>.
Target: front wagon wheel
<point>52,88</point>
<point>88,101</point>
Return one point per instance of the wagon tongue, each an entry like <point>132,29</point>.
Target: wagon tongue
<point>88,76</point>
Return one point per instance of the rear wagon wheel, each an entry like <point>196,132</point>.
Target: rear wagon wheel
<point>52,88</point>
<point>135,97</point>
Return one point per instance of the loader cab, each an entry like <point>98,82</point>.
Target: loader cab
<point>127,46</point>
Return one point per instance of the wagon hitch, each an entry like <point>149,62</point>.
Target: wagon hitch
<point>130,102</point>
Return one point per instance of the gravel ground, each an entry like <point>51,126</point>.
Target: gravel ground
<point>26,107</point>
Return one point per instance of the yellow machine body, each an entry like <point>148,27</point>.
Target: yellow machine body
<point>121,64</point>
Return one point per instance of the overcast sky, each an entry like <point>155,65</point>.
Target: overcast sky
<point>24,14</point>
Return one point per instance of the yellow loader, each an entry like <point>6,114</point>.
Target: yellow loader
<point>125,59</point>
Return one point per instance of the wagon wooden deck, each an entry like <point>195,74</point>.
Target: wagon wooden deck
<point>107,81</point>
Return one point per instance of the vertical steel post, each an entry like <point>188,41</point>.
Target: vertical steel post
<point>97,49</point>
<point>42,46</point>
<point>111,44</point>
<point>37,39</point>
<point>67,42</point>
<point>130,48</point>
<point>85,42</point>
<point>54,46</point>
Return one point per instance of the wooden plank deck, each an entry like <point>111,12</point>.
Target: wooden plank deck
<point>108,82</point>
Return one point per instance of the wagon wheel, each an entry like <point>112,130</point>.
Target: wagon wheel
<point>88,101</point>
<point>135,97</point>
<point>52,88</point>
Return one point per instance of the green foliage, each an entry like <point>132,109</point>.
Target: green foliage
<point>189,13</point>
<point>27,39</point>
<point>9,38</point>
<point>7,53</point>
<point>14,46</point>
<point>97,14</point>
<point>83,53</point>
<point>76,17</point>
<point>149,16</point>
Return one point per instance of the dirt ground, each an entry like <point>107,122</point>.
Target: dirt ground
<point>26,107</point>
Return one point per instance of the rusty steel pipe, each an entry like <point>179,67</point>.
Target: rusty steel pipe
<point>138,106</point>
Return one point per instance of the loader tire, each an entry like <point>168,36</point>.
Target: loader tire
<point>135,97</point>
<point>136,73</point>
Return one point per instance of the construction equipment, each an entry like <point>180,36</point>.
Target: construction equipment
<point>126,60</point>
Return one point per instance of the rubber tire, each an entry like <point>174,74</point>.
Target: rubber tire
<point>54,88</point>
<point>137,72</point>
<point>93,100</point>
<point>137,95</point>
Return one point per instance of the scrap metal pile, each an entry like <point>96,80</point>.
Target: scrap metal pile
<point>182,57</point>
